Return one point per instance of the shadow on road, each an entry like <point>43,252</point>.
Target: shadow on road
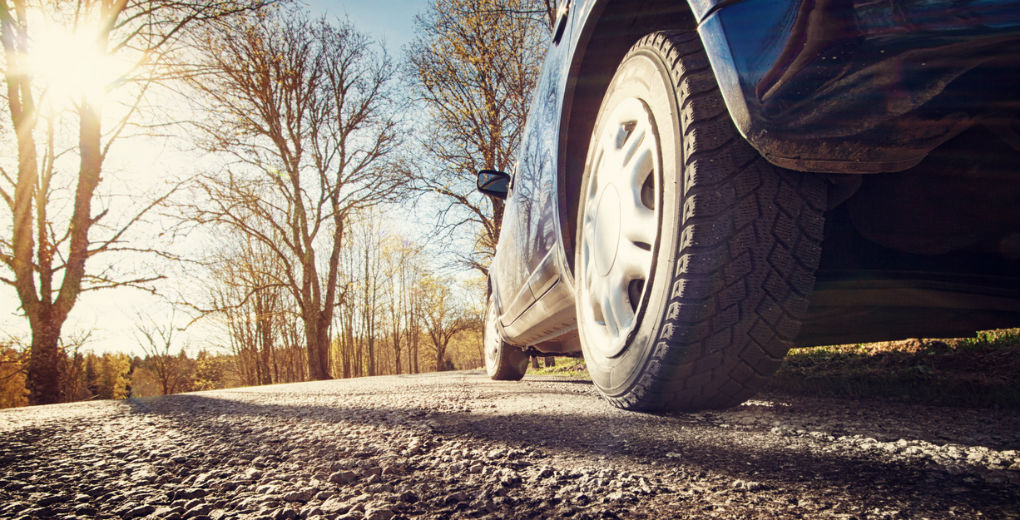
<point>678,445</point>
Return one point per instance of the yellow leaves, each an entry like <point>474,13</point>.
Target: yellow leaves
<point>12,378</point>
<point>113,376</point>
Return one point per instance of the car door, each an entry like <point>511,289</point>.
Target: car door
<point>529,233</point>
<point>509,271</point>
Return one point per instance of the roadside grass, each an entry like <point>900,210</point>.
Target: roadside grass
<point>982,371</point>
<point>565,367</point>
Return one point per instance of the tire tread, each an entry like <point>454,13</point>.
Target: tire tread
<point>750,243</point>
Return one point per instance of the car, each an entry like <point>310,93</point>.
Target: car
<point>703,185</point>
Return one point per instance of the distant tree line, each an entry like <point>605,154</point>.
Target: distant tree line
<point>394,315</point>
<point>88,376</point>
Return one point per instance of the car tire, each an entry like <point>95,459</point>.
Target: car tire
<point>694,256</point>
<point>503,362</point>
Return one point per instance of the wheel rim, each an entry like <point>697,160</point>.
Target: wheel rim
<point>620,227</point>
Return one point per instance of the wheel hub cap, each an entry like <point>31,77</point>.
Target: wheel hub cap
<point>607,229</point>
<point>620,227</point>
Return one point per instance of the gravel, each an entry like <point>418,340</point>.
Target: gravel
<point>456,445</point>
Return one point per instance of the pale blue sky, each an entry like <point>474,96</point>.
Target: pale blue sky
<point>391,21</point>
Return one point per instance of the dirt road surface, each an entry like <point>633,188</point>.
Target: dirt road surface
<point>456,445</point>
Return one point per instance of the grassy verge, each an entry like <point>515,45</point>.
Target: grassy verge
<point>564,367</point>
<point>983,371</point>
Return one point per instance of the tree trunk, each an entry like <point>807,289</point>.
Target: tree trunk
<point>441,354</point>
<point>164,376</point>
<point>267,349</point>
<point>44,365</point>
<point>347,348</point>
<point>396,351</point>
<point>317,332</point>
<point>417,368</point>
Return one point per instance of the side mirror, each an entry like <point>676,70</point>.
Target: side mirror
<point>494,183</point>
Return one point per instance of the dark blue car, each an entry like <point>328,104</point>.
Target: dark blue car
<point>704,184</point>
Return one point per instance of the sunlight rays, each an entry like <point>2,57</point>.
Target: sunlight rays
<point>68,61</point>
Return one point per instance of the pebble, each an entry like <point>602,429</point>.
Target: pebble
<point>137,512</point>
<point>303,495</point>
<point>343,477</point>
<point>381,511</point>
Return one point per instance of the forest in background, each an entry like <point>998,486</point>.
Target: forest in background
<point>323,148</point>
<point>88,376</point>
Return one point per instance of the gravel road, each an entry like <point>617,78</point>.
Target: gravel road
<point>456,445</point>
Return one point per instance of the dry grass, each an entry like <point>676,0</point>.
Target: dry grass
<point>983,371</point>
<point>980,371</point>
<point>565,367</point>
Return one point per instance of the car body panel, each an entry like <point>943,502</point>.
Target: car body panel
<point>529,228</point>
<point>858,87</point>
<point>526,263</point>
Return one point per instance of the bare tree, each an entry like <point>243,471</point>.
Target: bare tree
<point>72,366</point>
<point>401,258</point>
<point>358,310</point>
<point>166,360</point>
<point>304,110</point>
<point>475,64</point>
<point>246,291</point>
<point>347,344</point>
<point>371,245</point>
<point>49,246</point>
<point>443,318</point>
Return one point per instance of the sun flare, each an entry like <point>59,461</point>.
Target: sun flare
<point>69,64</point>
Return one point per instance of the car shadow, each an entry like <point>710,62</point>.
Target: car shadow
<point>678,444</point>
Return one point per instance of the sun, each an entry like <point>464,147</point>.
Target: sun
<point>68,62</point>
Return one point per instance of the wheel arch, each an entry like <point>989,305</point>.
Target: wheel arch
<point>612,27</point>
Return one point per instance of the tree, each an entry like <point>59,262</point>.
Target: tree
<point>305,110</point>
<point>166,361</point>
<point>475,64</point>
<point>12,376</point>
<point>246,292</point>
<point>401,260</point>
<point>443,319</point>
<point>113,375</point>
<point>91,376</point>
<point>73,380</point>
<point>370,242</point>
<point>212,372</point>
<point>50,243</point>
<point>358,309</point>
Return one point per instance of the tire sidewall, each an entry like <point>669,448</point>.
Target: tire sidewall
<point>643,75</point>
<point>505,362</point>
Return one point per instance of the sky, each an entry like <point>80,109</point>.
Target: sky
<point>111,315</point>
<point>391,21</point>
